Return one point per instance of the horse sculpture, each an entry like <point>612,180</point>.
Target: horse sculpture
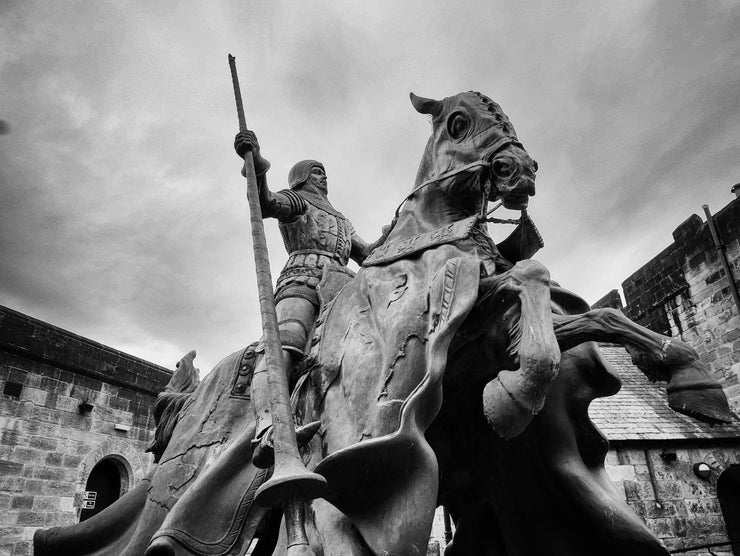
<point>443,373</point>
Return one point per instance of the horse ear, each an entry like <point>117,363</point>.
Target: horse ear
<point>426,105</point>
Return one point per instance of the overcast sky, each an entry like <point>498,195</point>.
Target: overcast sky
<point>122,209</point>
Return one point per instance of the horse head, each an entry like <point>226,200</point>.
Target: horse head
<point>474,139</point>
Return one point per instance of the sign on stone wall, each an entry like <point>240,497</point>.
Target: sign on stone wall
<point>88,499</point>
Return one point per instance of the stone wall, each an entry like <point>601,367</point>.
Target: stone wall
<point>611,300</point>
<point>47,446</point>
<point>680,508</point>
<point>684,292</point>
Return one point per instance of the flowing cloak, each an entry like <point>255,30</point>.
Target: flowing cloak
<point>375,381</point>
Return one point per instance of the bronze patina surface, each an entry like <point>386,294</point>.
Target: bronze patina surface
<point>441,374</point>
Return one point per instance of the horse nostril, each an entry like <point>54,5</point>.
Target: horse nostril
<point>502,169</point>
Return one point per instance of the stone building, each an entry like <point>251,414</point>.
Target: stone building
<point>679,475</point>
<point>74,423</point>
<point>685,292</point>
<point>657,455</point>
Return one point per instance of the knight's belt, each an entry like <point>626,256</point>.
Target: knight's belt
<point>400,249</point>
<point>312,258</point>
<point>308,263</point>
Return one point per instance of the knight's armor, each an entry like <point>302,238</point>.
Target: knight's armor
<point>315,235</point>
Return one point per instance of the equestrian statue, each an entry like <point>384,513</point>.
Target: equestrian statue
<point>447,371</point>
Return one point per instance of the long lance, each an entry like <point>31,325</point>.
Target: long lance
<point>291,483</point>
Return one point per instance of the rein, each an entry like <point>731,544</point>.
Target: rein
<point>497,146</point>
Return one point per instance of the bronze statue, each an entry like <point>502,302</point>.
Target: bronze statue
<point>318,238</point>
<point>445,372</point>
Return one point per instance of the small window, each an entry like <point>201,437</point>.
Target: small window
<point>13,389</point>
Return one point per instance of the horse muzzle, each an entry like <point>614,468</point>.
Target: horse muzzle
<point>512,179</point>
<point>514,192</point>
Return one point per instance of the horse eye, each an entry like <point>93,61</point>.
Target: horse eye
<point>458,125</point>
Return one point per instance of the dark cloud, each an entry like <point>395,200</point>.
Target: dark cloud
<point>123,215</point>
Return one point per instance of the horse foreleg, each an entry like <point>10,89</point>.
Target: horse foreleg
<point>691,389</point>
<point>514,397</point>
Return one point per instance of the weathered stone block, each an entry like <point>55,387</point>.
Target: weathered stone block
<point>668,490</point>
<point>30,518</point>
<point>81,422</point>
<point>22,549</point>
<point>54,459</point>
<point>53,473</point>
<point>33,395</point>
<point>44,443</point>
<point>706,527</point>
<point>731,335</point>
<point>695,488</point>
<point>65,403</point>
<point>48,488</point>
<point>618,473</point>
<point>120,404</point>
<point>638,507</point>
<point>69,460</point>
<point>22,502</point>
<point>663,527</point>
<point>10,438</point>
<point>46,503</point>
<point>638,490</point>
<point>631,457</point>
<point>674,544</point>
<point>670,508</point>
<point>699,508</point>
<point>30,455</point>
<point>10,468</point>
<point>11,484</point>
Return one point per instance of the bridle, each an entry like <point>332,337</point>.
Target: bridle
<point>499,145</point>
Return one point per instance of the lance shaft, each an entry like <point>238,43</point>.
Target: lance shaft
<point>291,480</point>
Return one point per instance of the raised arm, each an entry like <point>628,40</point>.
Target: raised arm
<point>286,205</point>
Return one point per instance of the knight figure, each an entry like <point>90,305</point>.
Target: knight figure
<point>319,240</point>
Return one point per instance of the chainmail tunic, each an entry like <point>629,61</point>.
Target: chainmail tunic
<point>315,234</point>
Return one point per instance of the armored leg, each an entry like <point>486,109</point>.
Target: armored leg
<point>295,318</point>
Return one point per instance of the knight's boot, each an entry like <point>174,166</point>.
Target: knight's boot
<point>264,450</point>
<point>261,401</point>
<point>263,455</point>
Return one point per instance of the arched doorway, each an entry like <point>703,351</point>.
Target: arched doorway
<point>728,492</point>
<point>104,486</point>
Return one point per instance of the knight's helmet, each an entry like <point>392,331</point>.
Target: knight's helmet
<point>299,173</point>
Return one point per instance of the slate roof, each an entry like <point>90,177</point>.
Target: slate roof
<point>639,411</point>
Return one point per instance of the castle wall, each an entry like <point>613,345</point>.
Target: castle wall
<point>684,292</point>
<point>682,509</point>
<point>48,447</point>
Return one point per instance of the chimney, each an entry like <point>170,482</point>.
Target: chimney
<point>736,190</point>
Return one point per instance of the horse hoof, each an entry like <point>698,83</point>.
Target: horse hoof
<point>507,417</point>
<point>160,547</point>
<point>300,550</point>
<point>704,401</point>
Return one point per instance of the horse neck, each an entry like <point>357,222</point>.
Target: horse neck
<point>431,207</point>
